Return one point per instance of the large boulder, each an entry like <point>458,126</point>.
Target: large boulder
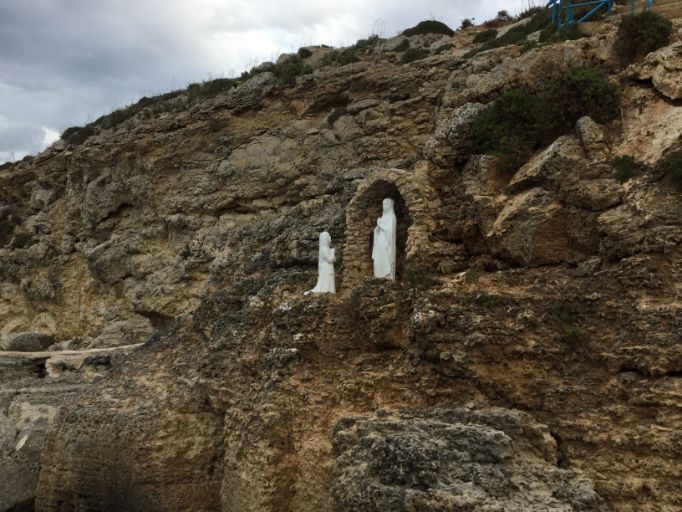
<point>531,229</point>
<point>664,69</point>
<point>563,159</point>
<point>450,144</point>
<point>27,342</point>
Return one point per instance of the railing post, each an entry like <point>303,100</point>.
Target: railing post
<point>569,17</point>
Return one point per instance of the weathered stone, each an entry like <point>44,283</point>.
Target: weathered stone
<point>563,159</point>
<point>531,229</point>
<point>27,342</point>
<point>124,332</point>
<point>453,459</point>
<point>358,106</point>
<point>346,128</point>
<point>450,144</point>
<point>664,69</point>
<point>593,195</point>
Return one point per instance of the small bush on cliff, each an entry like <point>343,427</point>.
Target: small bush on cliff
<point>365,44</point>
<point>540,19</point>
<point>413,54</point>
<point>642,34</point>
<point>209,89</point>
<point>521,121</point>
<point>404,45</point>
<point>288,70</point>
<point>484,300</point>
<point>626,167</point>
<point>485,36</point>
<point>417,278</point>
<point>671,167</point>
<point>304,53</point>
<point>429,27</point>
<point>569,324</point>
<point>77,135</point>
<point>341,57</point>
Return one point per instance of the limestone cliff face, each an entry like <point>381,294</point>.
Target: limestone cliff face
<point>527,358</point>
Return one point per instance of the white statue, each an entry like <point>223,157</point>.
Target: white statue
<point>325,266</point>
<point>383,252</point>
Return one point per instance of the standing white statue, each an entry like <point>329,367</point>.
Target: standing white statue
<point>325,266</point>
<point>383,251</point>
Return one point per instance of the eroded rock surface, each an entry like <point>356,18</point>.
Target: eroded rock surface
<point>462,459</point>
<point>193,229</point>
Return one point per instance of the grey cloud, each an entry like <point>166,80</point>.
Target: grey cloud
<point>65,62</point>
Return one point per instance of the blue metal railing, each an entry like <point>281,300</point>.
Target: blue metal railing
<point>649,4</point>
<point>564,11</point>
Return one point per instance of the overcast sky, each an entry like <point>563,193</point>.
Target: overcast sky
<point>67,62</point>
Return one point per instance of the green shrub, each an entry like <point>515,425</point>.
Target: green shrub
<point>22,240</point>
<point>210,88</point>
<point>484,300</point>
<point>582,91</point>
<point>550,34</point>
<point>485,36</point>
<point>626,167</point>
<point>466,23</point>
<point>411,161</point>
<point>77,135</point>
<point>444,48</point>
<point>529,45</point>
<point>429,27</point>
<point>568,322</point>
<point>671,166</point>
<point>364,44</point>
<point>531,11</point>
<point>503,16</point>
<point>417,278</point>
<point>304,53</point>
<point>404,45</point>
<point>540,19</point>
<point>521,121</point>
<point>341,57</point>
<point>414,54</point>
<point>642,34</point>
<point>287,71</point>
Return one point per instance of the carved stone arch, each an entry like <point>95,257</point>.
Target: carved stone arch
<point>414,200</point>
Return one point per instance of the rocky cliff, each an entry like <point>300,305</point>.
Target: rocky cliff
<point>163,356</point>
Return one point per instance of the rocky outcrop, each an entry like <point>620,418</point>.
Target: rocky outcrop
<point>664,69</point>
<point>454,460</point>
<point>35,385</point>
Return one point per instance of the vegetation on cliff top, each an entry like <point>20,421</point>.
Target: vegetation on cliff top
<point>522,121</point>
<point>429,27</point>
<point>642,34</point>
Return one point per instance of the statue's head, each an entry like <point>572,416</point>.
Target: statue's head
<point>325,239</point>
<point>388,205</point>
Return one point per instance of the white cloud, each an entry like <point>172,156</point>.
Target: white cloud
<point>50,136</point>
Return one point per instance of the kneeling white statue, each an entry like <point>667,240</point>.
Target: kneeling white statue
<point>383,250</point>
<point>325,266</point>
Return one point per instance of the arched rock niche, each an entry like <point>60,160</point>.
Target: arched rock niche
<point>413,198</point>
